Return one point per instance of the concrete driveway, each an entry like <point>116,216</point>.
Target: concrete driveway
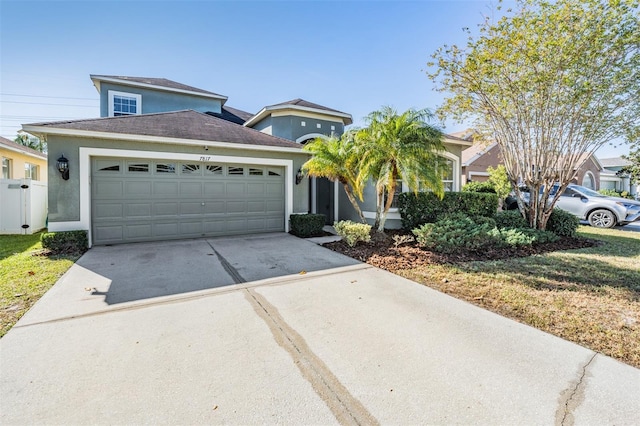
<point>277,330</point>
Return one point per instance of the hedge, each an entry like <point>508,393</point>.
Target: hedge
<point>426,207</point>
<point>307,225</point>
<point>65,242</point>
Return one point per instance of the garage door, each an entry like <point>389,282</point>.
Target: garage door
<point>151,200</point>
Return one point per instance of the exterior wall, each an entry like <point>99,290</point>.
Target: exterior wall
<point>589,167</point>
<point>17,164</point>
<point>264,126</point>
<point>478,170</point>
<point>290,126</point>
<point>159,101</point>
<point>65,196</point>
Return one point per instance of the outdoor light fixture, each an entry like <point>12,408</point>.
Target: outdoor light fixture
<point>299,177</point>
<point>63,167</point>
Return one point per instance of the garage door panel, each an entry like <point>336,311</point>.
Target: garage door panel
<point>166,189</point>
<point>138,203</point>
<point>137,189</point>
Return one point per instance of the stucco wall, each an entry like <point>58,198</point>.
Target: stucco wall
<point>290,127</point>
<point>17,164</point>
<point>64,196</point>
<point>159,101</point>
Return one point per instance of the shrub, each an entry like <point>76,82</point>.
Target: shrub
<point>614,193</point>
<point>483,187</point>
<point>515,237</point>
<point>455,232</point>
<point>307,225</point>
<point>353,232</point>
<point>426,207</point>
<point>562,223</point>
<point>510,219</point>
<point>65,242</point>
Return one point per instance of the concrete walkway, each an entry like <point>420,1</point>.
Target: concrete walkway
<point>321,340</point>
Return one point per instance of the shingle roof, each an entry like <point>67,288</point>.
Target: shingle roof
<point>232,114</point>
<point>307,104</point>
<point>614,162</point>
<point>187,124</point>
<point>158,82</point>
<point>474,152</point>
<point>17,147</point>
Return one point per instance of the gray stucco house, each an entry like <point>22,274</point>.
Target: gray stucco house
<point>167,161</point>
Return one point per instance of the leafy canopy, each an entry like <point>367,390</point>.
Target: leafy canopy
<point>550,82</point>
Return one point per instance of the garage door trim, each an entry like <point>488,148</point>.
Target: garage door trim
<point>85,177</point>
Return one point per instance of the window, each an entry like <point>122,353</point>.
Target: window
<point>165,168</point>
<point>399,190</point>
<point>138,167</point>
<point>214,169</point>
<point>30,171</point>
<point>447,176</point>
<point>6,168</point>
<point>236,171</point>
<point>255,172</point>
<point>121,103</point>
<point>190,168</point>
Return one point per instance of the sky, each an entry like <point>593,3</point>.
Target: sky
<point>353,56</point>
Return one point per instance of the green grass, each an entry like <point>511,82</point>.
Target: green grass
<point>25,275</point>
<point>588,296</point>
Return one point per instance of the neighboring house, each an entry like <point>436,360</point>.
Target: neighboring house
<point>168,161</point>
<point>20,162</point>
<point>23,189</point>
<point>480,156</point>
<point>609,177</point>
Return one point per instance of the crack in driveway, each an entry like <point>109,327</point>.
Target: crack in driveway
<point>345,407</point>
<point>572,397</point>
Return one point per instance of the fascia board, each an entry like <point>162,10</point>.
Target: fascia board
<point>347,119</point>
<point>155,139</point>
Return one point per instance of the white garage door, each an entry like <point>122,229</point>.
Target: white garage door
<point>151,200</point>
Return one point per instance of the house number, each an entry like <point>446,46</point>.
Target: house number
<point>205,158</point>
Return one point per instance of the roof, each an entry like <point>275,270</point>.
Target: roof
<point>300,105</point>
<point>232,114</point>
<point>614,162</point>
<point>475,151</point>
<point>154,83</point>
<point>16,147</point>
<point>176,126</point>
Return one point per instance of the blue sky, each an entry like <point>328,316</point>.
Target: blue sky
<point>354,56</point>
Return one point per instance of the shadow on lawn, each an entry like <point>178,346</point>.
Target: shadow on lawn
<point>574,273</point>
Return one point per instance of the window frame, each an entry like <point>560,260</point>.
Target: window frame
<point>114,93</point>
<point>31,171</point>
<point>6,168</point>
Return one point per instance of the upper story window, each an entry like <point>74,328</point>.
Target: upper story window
<point>122,103</point>
<point>6,168</point>
<point>30,171</point>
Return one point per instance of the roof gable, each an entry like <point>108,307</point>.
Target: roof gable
<point>178,125</point>
<point>300,105</point>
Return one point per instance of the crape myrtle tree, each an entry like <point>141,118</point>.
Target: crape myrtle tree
<point>550,82</point>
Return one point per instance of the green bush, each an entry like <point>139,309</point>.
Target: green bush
<point>65,242</point>
<point>307,225</point>
<point>483,187</point>
<point>510,219</point>
<point>614,193</point>
<point>455,232</point>
<point>426,207</point>
<point>563,223</point>
<point>352,232</point>
<point>516,237</point>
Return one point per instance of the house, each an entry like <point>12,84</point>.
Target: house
<point>609,177</point>
<point>481,155</point>
<point>20,162</point>
<point>167,160</point>
<point>23,189</point>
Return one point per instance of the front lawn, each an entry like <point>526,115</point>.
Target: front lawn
<point>25,275</point>
<point>590,296</point>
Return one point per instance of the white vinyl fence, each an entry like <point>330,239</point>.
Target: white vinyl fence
<point>23,206</point>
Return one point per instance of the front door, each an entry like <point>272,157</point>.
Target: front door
<point>325,199</point>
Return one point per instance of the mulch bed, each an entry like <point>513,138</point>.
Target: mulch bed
<point>382,252</point>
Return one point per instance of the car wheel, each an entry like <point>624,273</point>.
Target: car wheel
<point>602,218</point>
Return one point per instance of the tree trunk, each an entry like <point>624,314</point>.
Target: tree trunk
<point>387,205</point>
<point>353,201</point>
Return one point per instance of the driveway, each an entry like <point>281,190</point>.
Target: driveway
<point>277,330</point>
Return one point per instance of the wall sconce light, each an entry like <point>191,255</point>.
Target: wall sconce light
<point>63,167</point>
<point>299,177</point>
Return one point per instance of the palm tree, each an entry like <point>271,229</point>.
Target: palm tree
<point>400,146</point>
<point>337,160</point>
